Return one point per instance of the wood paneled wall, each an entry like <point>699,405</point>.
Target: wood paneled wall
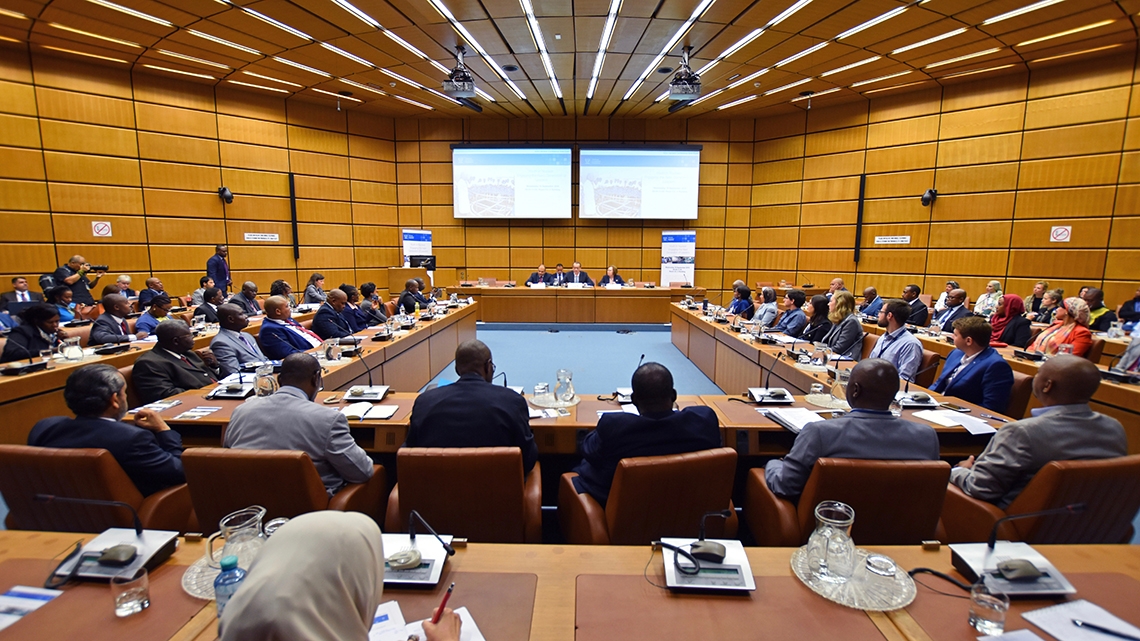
<point>1011,156</point>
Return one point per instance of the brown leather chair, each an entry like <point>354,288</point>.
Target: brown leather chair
<point>133,399</point>
<point>927,369</point>
<point>284,482</point>
<point>1109,487</point>
<point>1095,351</point>
<point>1019,395</point>
<point>896,502</point>
<point>84,333</point>
<point>652,497</point>
<point>869,341</point>
<point>474,492</point>
<point>390,308</point>
<point>85,474</point>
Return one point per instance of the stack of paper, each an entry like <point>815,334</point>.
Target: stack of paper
<point>1058,621</point>
<point>388,625</point>
<point>950,418</point>
<point>195,413</point>
<point>793,418</point>
<point>367,411</point>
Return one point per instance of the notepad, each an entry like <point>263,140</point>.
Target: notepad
<point>388,625</point>
<point>950,418</point>
<point>793,418</point>
<point>367,411</point>
<point>1057,620</point>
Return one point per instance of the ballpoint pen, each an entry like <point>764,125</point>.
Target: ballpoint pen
<point>1097,628</point>
<point>993,418</point>
<point>442,604</point>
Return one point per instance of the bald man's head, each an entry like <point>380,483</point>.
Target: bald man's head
<point>302,371</point>
<point>1066,380</point>
<point>653,391</point>
<point>337,299</point>
<point>474,357</point>
<point>873,384</point>
<point>277,307</point>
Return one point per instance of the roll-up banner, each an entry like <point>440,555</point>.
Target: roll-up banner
<point>678,257</point>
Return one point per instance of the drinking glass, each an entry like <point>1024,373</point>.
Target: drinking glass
<point>131,592</point>
<point>199,320</point>
<point>46,356</point>
<point>987,609</point>
<point>1064,348</point>
<point>816,388</point>
<point>879,577</point>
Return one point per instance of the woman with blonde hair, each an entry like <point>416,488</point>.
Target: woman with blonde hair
<point>1033,301</point>
<point>1070,327</point>
<point>845,338</point>
<point>987,302</point>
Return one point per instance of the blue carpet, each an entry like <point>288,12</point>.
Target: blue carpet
<point>601,360</point>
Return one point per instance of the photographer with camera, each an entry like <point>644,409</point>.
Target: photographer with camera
<point>74,275</point>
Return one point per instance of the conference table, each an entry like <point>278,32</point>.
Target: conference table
<point>581,593</point>
<point>521,304</point>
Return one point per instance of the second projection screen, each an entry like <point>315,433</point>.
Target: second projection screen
<point>511,182</point>
<point>638,183</point>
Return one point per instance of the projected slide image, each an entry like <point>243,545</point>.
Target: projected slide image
<point>616,198</point>
<point>491,197</point>
<point>638,183</point>
<point>511,183</point>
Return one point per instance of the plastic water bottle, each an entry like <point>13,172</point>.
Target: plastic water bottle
<point>227,582</point>
<point>417,309</point>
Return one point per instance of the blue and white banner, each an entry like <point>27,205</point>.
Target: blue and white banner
<point>417,242</point>
<point>678,257</point>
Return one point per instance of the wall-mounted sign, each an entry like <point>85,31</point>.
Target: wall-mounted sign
<point>262,238</point>
<point>101,229</point>
<point>1061,234</point>
<point>892,240</point>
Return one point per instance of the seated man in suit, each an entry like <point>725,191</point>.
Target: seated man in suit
<point>898,346</point>
<point>154,287</point>
<point>123,285</point>
<point>423,299</point>
<point>1064,429</point>
<point>955,309</point>
<point>576,275</point>
<point>212,298</point>
<point>794,320</point>
<point>872,302</point>
<point>290,420</point>
<point>156,312</point>
<point>280,335</point>
<point>655,431</point>
<point>919,313</point>
<point>1100,317</point>
<point>247,299</point>
<point>408,301</point>
<point>539,276</point>
<point>38,330</point>
<point>233,347</point>
<point>558,278</point>
<point>1130,309</point>
<point>836,285</point>
<point>198,296</point>
<point>19,294</point>
<point>147,449</point>
<point>329,323</point>
<point>974,371</point>
<point>869,431</point>
<point>111,326</point>
<point>171,367</point>
<point>471,412</point>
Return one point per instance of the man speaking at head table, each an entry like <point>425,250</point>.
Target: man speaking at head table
<point>655,431</point>
<point>869,431</point>
<point>280,335</point>
<point>471,412</point>
<point>233,347</point>
<point>328,322</point>
<point>1064,429</point>
<point>576,275</point>
<point>539,276</point>
<point>974,371</point>
<point>290,420</point>
<point>111,326</point>
<point>171,367</point>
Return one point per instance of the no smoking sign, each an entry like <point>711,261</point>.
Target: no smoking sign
<point>1061,234</point>
<point>100,229</point>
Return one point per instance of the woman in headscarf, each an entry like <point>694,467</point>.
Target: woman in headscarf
<point>1070,327</point>
<point>1009,322</point>
<point>318,578</point>
<point>988,301</point>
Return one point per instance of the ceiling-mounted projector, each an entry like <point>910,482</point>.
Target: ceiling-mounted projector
<point>460,83</point>
<point>685,85</point>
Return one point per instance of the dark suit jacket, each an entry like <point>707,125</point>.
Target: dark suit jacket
<point>1017,332</point>
<point>948,324</point>
<point>407,303</point>
<point>217,269</point>
<point>277,342</point>
<point>105,330</point>
<point>816,333</point>
<point>472,413</point>
<point>919,313</point>
<point>10,297</point>
<point>986,381</point>
<point>557,279</point>
<point>846,338</point>
<point>606,280</point>
<point>159,374</point>
<point>205,310</point>
<point>250,307</point>
<point>624,435</point>
<point>145,296</point>
<point>535,279</point>
<point>328,323</point>
<point>23,342</point>
<point>583,277</point>
<point>151,459</point>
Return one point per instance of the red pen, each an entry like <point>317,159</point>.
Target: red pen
<point>442,604</point>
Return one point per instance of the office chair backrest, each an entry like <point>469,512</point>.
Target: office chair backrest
<point>74,473</point>
<point>223,480</point>
<point>1095,351</point>
<point>1019,395</point>
<point>896,502</point>
<point>869,341</point>
<point>656,496</point>
<point>133,399</point>
<point>926,369</point>
<point>84,333</point>
<point>1110,488</point>
<point>390,309</point>
<point>473,492</point>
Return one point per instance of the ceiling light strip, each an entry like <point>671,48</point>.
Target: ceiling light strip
<point>7,39</point>
<point>909,84</point>
<point>180,72</point>
<point>923,43</point>
<point>351,56</point>
<point>874,21</point>
<point>880,78</point>
<point>409,81</point>
<point>353,83</point>
<point>223,42</point>
<point>805,52</point>
<point>413,102</point>
<point>132,12</point>
<point>302,67</point>
<point>356,12</point>
<point>271,78</point>
<point>1068,32</point>
<point>540,43</point>
<point>175,54</point>
<point>709,95</point>
<point>850,66</point>
<point>968,56</point>
<point>276,23</point>
<point>788,86</point>
<point>730,105</point>
<point>603,44</point>
<point>1075,53</point>
<point>19,16</point>
<point>1022,11</point>
<point>684,28</point>
<point>749,78</point>
<point>84,53</point>
<point>458,26</point>
<point>746,40</point>
<point>125,43</point>
<point>257,86</point>
<point>336,95</point>
<point>975,71</point>
<point>816,94</point>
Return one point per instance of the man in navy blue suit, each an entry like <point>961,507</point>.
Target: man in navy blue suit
<point>328,323</point>
<point>539,276</point>
<point>148,450</point>
<point>955,309</point>
<point>656,430</point>
<point>471,412</point>
<point>218,269</point>
<point>280,335</point>
<point>974,371</point>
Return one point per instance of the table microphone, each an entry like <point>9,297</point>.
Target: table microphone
<point>503,374</point>
<point>937,361</point>
<point>639,362</point>
<point>48,498</point>
<point>1072,508</point>
<point>710,551</point>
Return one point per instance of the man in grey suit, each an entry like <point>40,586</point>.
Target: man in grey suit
<point>869,431</point>
<point>290,420</point>
<point>233,347</point>
<point>1064,429</point>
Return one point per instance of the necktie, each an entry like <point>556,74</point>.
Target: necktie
<point>23,297</point>
<point>192,366</point>
<point>126,328</point>
<point>303,329</point>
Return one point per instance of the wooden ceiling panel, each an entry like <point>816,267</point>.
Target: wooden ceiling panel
<point>298,18</point>
<point>681,9</point>
<point>552,8</point>
<point>516,31</point>
<point>151,7</point>
<point>241,22</point>
<point>1093,16</point>
<point>627,33</point>
<point>853,15</point>
<point>98,25</point>
<point>588,33</point>
<point>415,37</point>
<point>1046,14</point>
<point>972,40</point>
<point>486,34</point>
<point>559,34</point>
<point>49,40</point>
<point>905,38</point>
<point>761,13</point>
<point>463,10</point>
<point>727,11</point>
<point>200,8</point>
<point>334,15</point>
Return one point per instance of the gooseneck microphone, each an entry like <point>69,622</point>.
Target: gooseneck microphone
<point>1072,508</point>
<point>415,516</point>
<point>48,498</point>
<point>503,374</point>
<point>639,362</point>
<point>937,361</point>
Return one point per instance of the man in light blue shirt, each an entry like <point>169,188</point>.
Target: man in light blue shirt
<point>872,302</point>
<point>794,319</point>
<point>898,346</point>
